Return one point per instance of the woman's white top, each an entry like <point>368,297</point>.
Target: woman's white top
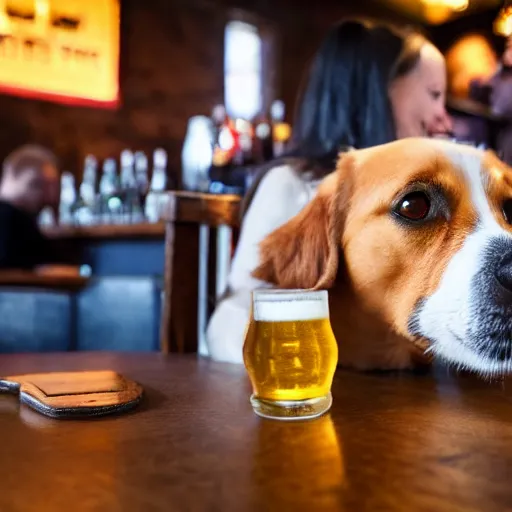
<point>281,194</point>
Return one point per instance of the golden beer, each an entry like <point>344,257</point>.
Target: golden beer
<point>290,353</point>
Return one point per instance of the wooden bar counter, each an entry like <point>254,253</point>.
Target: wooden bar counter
<point>190,207</point>
<point>107,231</point>
<point>22,279</point>
<point>391,442</point>
<point>138,249</point>
<point>125,255</point>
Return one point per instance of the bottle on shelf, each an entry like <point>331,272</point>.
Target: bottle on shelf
<point>127,177</point>
<point>244,150</point>
<point>281,131</point>
<point>228,152</point>
<point>155,200</point>
<point>197,154</point>
<point>47,217</point>
<point>219,119</point>
<point>142,181</point>
<point>109,197</point>
<point>131,206</point>
<point>68,198</point>
<point>263,144</point>
<point>84,211</point>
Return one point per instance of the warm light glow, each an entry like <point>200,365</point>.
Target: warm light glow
<point>282,132</point>
<point>438,11</point>
<point>5,26</point>
<point>503,23</point>
<point>454,5</point>
<point>42,12</point>
<point>318,446</point>
<point>62,50</point>
<point>42,9</point>
<point>471,57</point>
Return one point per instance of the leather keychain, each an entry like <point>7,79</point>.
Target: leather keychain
<point>74,394</point>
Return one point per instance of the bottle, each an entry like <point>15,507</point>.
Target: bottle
<point>46,218</point>
<point>129,193</point>
<point>244,150</point>
<point>110,202</point>
<point>226,155</point>
<point>142,181</point>
<point>155,199</point>
<point>84,211</point>
<point>219,118</point>
<point>197,154</point>
<point>67,198</point>
<point>127,178</point>
<point>263,144</point>
<point>281,131</point>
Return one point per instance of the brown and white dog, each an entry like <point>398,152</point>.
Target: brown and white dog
<point>414,241</point>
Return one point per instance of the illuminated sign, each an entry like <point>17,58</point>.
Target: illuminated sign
<point>60,50</point>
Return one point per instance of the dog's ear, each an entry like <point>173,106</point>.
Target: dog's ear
<point>304,252</point>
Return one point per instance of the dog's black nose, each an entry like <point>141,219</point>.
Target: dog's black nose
<point>504,272</point>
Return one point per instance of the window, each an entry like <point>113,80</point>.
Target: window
<point>243,63</point>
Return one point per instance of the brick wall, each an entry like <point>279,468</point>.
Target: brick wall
<point>171,68</point>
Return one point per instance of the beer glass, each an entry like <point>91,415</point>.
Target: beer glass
<point>290,353</point>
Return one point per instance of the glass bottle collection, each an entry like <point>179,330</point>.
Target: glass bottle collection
<point>109,197</point>
<point>219,151</point>
<point>219,155</point>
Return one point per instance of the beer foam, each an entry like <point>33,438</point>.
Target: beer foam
<point>290,305</point>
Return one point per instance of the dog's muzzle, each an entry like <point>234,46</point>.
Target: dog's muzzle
<point>490,331</point>
<point>503,276</point>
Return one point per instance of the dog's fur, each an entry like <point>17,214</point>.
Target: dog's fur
<point>400,291</point>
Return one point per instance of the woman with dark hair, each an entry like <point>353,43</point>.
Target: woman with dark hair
<point>367,85</point>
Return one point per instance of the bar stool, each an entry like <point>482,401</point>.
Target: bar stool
<point>209,212</point>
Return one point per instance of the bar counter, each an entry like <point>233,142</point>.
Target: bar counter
<point>119,306</point>
<point>22,279</point>
<point>107,231</point>
<point>186,207</point>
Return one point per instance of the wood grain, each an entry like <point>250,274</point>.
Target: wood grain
<point>211,209</point>
<point>187,209</point>
<point>22,278</point>
<point>392,442</point>
<point>166,317</point>
<point>106,231</point>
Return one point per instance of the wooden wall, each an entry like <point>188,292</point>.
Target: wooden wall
<point>171,69</point>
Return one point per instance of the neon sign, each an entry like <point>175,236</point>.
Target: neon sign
<point>65,51</point>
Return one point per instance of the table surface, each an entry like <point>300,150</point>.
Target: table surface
<point>431,442</point>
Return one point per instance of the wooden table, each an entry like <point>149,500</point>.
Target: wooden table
<point>391,442</point>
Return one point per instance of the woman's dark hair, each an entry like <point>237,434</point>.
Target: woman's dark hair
<point>344,100</point>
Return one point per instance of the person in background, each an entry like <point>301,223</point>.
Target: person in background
<point>368,84</point>
<point>500,100</point>
<point>30,182</point>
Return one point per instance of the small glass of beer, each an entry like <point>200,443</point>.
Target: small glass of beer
<point>290,353</point>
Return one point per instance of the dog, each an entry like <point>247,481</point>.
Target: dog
<point>414,241</point>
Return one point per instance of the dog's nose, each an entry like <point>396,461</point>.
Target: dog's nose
<point>504,272</point>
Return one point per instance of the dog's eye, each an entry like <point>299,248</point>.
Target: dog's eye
<point>507,210</point>
<point>414,206</point>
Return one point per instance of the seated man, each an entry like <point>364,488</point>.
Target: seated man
<point>30,181</point>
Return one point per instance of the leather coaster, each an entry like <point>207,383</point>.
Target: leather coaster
<point>74,394</point>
